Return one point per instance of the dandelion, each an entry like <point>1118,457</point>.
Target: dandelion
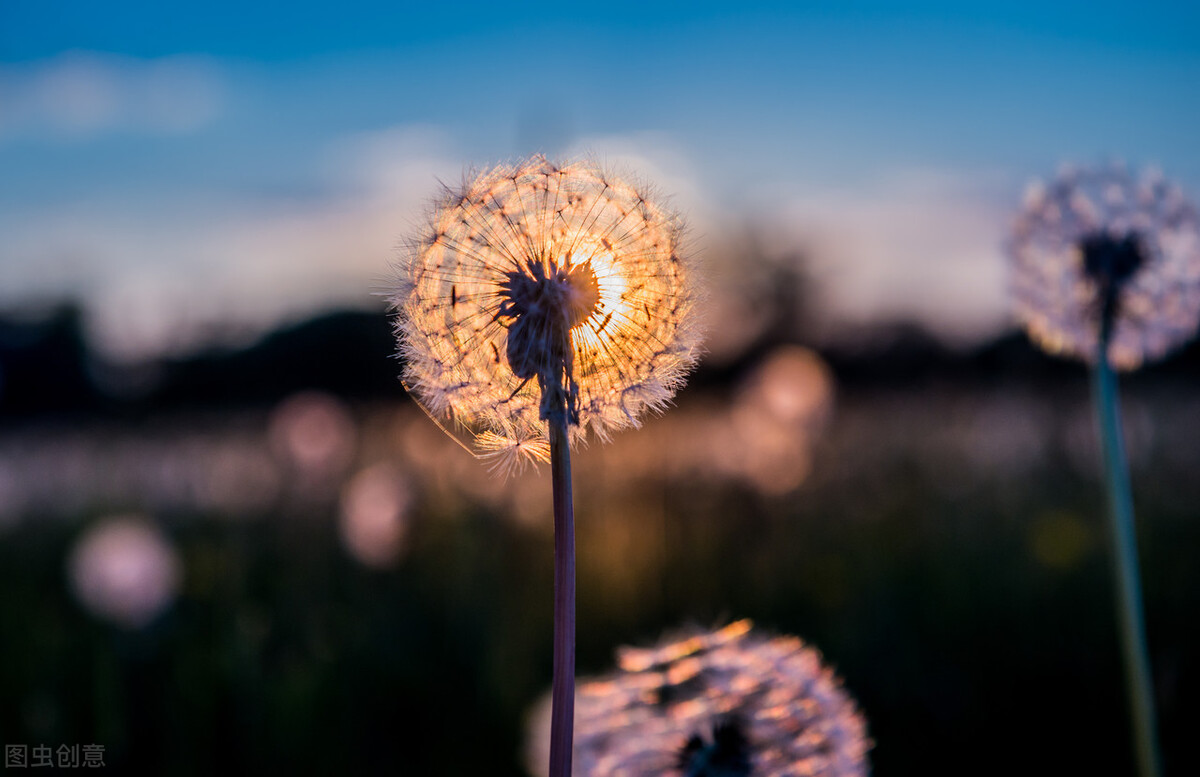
<point>542,302</point>
<point>1097,254</point>
<point>541,289</point>
<point>1107,268</point>
<point>731,702</point>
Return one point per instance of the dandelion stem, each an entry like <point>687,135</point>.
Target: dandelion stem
<point>1127,580</point>
<point>563,694</point>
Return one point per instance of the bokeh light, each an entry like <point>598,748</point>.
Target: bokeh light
<point>123,569</point>
<point>374,514</point>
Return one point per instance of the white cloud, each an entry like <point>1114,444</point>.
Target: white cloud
<point>919,245</point>
<point>78,94</point>
<point>167,281</point>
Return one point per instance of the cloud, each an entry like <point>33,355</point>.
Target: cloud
<point>80,94</point>
<point>921,245</point>
<point>182,273</point>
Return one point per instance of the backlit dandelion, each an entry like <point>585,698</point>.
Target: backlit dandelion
<point>1107,268</point>
<point>1098,249</point>
<point>540,286</point>
<point>731,702</point>
<point>543,301</point>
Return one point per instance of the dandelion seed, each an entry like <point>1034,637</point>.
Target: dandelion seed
<point>730,702</point>
<point>508,455</point>
<point>540,286</point>
<point>1096,253</point>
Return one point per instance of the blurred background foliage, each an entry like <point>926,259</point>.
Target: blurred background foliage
<point>328,584</point>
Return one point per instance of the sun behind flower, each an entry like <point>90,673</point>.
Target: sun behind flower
<point>1096,249</point>
<point>539,289</point>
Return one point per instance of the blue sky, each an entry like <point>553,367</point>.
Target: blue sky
<point>184,166</point>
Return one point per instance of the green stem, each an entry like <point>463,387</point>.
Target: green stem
<point>1127,580</point>
<point>562,719</point>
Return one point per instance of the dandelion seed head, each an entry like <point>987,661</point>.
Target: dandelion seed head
<point>728,702</point>
<point>1098,252</point>
<point>538,289</point>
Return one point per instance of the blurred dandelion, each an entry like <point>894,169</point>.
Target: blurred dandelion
<point>1096,250</point>
<point>728,702</point>
<point>1107,269</point>
<point>543,301</point>
<point>124,570</point>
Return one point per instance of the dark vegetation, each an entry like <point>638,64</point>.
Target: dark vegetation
<point>965,599</point>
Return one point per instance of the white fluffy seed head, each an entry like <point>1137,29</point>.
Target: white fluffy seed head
<point>662,704</point>
<point>538,285</point>
<point>1062,301</point>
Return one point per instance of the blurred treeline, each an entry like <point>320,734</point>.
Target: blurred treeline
<point>930,518</point>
